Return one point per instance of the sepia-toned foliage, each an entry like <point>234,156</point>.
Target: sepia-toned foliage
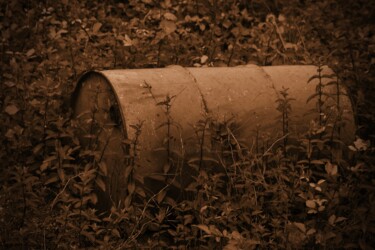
<point>306,193</point>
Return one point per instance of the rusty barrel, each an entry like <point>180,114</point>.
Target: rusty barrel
<point>152,109</point>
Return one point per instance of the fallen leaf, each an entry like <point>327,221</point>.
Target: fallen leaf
<point>320,182</point>
<point>203,209</point>
<point>131,187</point>
<point>311,231</point>
<point>161,196</point>
<point>61,174</point>
<point>11,109</point>
<point>9,84</point>
<point>236,235</point>
<point>100,184</point>
<point>331,169</point>
<point>310,204</point>
<point>204,228</point>
<point>116,233</point>
<point>361,145</point>
<point>44,166</point>
<point>103,168</point>
<point>127,41</point>
<point>93,198</point>
<point>38,148</point>
<point>53,179</point>
<point>10,134</point>
<point>281,18</point>
<point>204,59</point>
<point>170,17</point>
<point>300,226</point>
<point>332,219</point>
<point>30,52</point>
<point>168,26</point>
<point>339,219</point>
<point>96,27</point>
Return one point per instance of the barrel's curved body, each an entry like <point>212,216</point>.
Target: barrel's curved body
<point>246,94</point>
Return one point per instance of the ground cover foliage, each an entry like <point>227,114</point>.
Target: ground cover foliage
<point>316,193</point>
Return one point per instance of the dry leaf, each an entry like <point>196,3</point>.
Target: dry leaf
<point>204,59</point>
<point>100,183</point>
<point>170,17</point>
<point>30,52</point>
<point>331,169</point>
<point>131,187</point>
<point>11,109</point>
<point>168,26</point>
<point>204,228</point>
<point>127,41</point>
<point>103,168</point>
<point>310,204</point>
<point>96,27</point>
<point>161,196</point>
<point>332,219</point>
<point>300,226</point>
<point>9,84</point>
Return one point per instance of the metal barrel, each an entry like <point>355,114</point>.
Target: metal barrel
<point>169,103</point>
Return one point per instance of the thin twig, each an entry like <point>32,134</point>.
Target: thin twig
<point>273,144</point>
<point>62,191</point>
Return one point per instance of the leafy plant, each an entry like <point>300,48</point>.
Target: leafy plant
<point>316,192</point>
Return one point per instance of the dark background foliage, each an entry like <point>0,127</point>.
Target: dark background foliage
<point>46,45</point>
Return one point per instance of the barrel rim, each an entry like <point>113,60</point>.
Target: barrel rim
<point>82,78</point>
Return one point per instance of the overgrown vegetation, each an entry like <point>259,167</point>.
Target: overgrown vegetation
<point>314,192</point>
